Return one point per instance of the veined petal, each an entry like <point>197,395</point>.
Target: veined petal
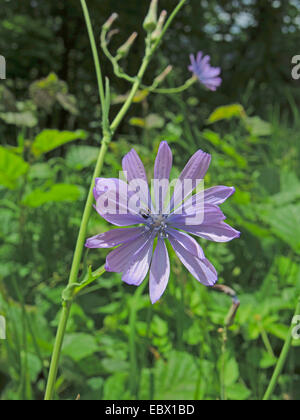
<point>162,169</point>
<point>117,260</point>
<point>122,219</point>
<point>115,203</point>
<point>218,195</point>
<point>189,243</point>
<point>190,177</point>
<point>139,264</point>
<point>201,269</point>
<point>216,232</point>
<point>212,196</point>
<point>114,237</point>
<point>196,217</point>
<point>159,271</point>
<point>136,174</point>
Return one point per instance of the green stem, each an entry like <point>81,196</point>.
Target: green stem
<point>178,89</point>
<point>281,360</point>
<point>115,124</point>
<point>73,276</point>
<point>95,52</point>
<point>132,344</point>
<point>84,223</point>
<point>57,350</point>
<point>108,133</point>
<point>168,23</point>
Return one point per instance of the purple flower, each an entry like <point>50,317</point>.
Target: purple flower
<point>167,219</point>
<point>207,74</point>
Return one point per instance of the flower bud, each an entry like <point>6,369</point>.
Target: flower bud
<point>151,19</point>
<point>107,25</point>
<point>159,79</point>
<point>156,34</point>
<point>125,48</point>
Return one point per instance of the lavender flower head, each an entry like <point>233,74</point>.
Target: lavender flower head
<point>207,75</point>
<point>159,218</point>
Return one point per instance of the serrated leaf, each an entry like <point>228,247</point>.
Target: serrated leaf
<point>176,378</point>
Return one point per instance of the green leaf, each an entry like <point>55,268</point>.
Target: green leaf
<point>79,346</point>
<point>279,330</point>
<point>80,157</point>
<point>226,113</point>
<point>231,374</point>
<point>20,119</point>
<point>258,127</point>
<point>57,193</point>
<point>154,121</point>
<point>115,387</point>
<point>176,378</point>
<point>285,223</point>
<point>12,167</point>
<point>238,392</point>
<point>49,140</point>
<point>137,122</point>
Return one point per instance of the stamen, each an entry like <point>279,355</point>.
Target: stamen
<point>157,223</point>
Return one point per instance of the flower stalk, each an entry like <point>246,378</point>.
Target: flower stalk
<point>108,132</point>
<point>281,361</point>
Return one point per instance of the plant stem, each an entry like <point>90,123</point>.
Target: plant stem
<point>108,133</point>
<point>95,52</point>
<point>73,276</point>
<point>132,346</point>
<point>84,223</point>
<point>281,360</point>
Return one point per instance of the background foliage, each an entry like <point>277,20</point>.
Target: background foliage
<point>119,346</point>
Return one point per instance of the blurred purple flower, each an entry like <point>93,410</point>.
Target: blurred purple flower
<point>207,75</point>
<point>135,255</point>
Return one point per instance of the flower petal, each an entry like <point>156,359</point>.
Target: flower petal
<point>159,271</point>
<point>136,175</point>
<point>196,217</point>
<point>190,177</point>
<point>201,269</point>
<point>162,169</point>
<point>216,232</point>
<point>117,260</point>
<point>115,203</point>
<point>114,237</point>
<point>218,195</point>
<point>139,264</point>
<point>189,243</point>
<point>212,196</point>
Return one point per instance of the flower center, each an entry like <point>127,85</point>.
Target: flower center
<point>157,223</point>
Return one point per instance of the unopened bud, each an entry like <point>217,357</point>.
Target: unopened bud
<point>125,48</point>
<point>159,27</point>
<point>107,25</point>
<point>111,34</point>
<point>159,79</point>
<point>151,19</point>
